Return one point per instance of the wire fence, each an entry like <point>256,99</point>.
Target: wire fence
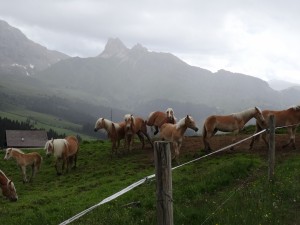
<point>142,181</point>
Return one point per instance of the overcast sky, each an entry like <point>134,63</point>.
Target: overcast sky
<point>255,37</point>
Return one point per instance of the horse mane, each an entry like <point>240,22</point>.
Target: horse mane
<point>17,150</point>
<point>3,174</point>
<point>295,107</point>
<point>240,115</point>
<point>180,123</point>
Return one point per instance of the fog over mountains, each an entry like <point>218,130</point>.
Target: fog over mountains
<point>133,80</point>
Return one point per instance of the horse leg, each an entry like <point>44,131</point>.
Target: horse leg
<point>141,137</point>
<point>291,133</point>
<point>156,130</point>
<point>32,172</point>
<point>255,138</point>
<point>235,133</point>
<point>23,168</point>
<point>56,167</point>
<point>149,139</point>
<point>176,152</point>
<point>75,161</point>
<point>206,136</point>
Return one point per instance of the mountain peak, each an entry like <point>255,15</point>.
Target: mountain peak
<point>139,48</point>
<point>114,47</point>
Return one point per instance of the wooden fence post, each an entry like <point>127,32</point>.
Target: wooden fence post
<point>163,173</point>
<point>271,153</point>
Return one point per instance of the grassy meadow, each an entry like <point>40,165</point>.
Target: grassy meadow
<point>227,188</point>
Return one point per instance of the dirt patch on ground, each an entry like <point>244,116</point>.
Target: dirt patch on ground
<point>194,145</point>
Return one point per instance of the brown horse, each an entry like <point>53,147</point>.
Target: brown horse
<point>8,187</point>
<point>158,118</point>
<point>175,132</point>
<point>32,159</point>
<point>115,132</point>
<point>135,125</point>
<point>63,149</point>
<point>289,117</point>
<point>229,123</point>
<point>73,148</point>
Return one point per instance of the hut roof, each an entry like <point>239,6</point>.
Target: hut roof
<point>26,138</point>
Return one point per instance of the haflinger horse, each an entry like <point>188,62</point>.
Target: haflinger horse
<point>33,159</point>
<point>65,149</point>
<point>229,123</point>
<point>135,125</point>
<point>158,118</point>
<point>175,132</point>
<point>289,117</point>
<point>115,132</point>
<point>8,187</point>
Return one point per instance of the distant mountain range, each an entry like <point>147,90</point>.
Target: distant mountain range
<point>123,80</point>
<point>280,85</point>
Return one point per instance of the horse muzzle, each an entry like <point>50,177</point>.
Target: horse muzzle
<point>13,199</point>
<point>95,129</point>
<point>196,129</point>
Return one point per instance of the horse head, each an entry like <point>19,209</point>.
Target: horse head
<point>8,153</point>
<point>259,117</point>
<point>11,192</point>
<point>170,115</point>
<point>99,124</point>
<point>129,123</point>
<point>49,147</point>
<point>190,123</point>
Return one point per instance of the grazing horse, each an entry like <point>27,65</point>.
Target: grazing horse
<point>175,132</point>
<point>32,159</point>
<point>63,149</point>
<point>289,117</point>
<point>8,187</point>
<point>158,118</point>
<point>135,125</point>
<point>229,123</point>
<point>115,132</point>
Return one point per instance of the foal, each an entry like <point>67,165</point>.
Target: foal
<point>32,159</point>
<point>175,132</point>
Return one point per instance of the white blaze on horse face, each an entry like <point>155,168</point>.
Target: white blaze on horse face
<point>98,124</point>
<point>128,121</point>
<point>12,191</point>
<point>170,113</point>
<point>8,154</point>
<point>49,147</point>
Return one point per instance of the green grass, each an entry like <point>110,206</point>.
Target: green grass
<point>221,189</point>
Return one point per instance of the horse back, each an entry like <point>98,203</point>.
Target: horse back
<point>157,119</point>
<point>73,145</point>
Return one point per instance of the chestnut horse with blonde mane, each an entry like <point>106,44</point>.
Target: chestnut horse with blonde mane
<point>289,117</point>
<point>63,149</point>
<point>158,118</point>
<point>115,132</point>
<point>135,125</point>
<point>8,187</point>
<point>32,159</point>
<point>175,132</point>
<point>229,123</point>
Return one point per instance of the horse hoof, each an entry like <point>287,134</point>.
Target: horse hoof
<point>59,174</point>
